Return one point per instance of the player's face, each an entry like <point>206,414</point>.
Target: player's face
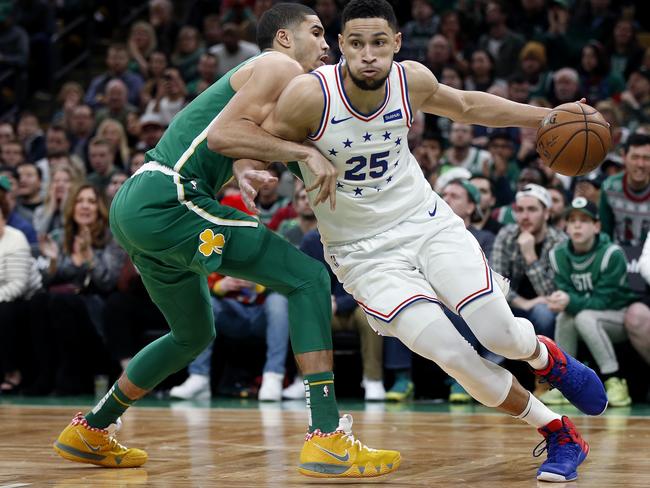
<point>310,45</point>
<point>637,165</point>
<point>531,214</point>
<point>581,228</point>
<point>369,46</point>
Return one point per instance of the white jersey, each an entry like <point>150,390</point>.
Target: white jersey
<point>380,183</point>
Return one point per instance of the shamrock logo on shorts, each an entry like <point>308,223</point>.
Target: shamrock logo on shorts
<point>211,243</point>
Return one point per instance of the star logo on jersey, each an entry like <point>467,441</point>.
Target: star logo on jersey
<point>211,243</point>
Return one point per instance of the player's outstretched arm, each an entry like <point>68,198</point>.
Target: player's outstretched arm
<point>469,107</point>
<point>236,132</point>
<point>295,116</point>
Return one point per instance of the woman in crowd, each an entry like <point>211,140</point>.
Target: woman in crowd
<point>113,132</point>
<point>48,217</point>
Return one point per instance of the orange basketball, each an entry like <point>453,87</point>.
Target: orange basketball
<point>573,139</point>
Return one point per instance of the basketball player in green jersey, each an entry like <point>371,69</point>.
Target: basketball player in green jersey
<point>176,233</point>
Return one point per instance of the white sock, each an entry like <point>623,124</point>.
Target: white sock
<point>541,360</point>
<point>536,413</point>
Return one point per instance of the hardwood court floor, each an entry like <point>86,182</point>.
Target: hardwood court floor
<point>259,448</point>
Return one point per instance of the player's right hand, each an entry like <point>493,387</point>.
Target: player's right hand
<point>250,177</point>
<point>325,174</point>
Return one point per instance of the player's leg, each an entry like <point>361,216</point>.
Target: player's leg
<point>184,300</point>
<point>265,258</point>
<point>452,261</point>
<point>425,329</point>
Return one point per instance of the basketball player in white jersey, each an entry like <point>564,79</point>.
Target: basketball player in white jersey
<point>396,246</point>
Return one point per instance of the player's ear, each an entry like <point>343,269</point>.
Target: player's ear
<point>284,38</point>
<point>398,42</point>
<point>341,42</point>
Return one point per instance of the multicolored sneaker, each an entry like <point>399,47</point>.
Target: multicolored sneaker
<point>84,444</point>
<point>457,394</point>
<point>566,451</point>
<point>401,391</point>
<point>578,383</point>
<point>617,392</point>
<point>339,455</point>
<point>553,397</point>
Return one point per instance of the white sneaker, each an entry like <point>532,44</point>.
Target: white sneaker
<point>196,387</point>
<point>295,391</point>
<point>375,391</point>
<point>271,389</point>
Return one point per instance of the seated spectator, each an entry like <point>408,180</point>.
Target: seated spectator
<point>170,96</point>
<point>566,87</point>
<point>12,153</point>
<point>635,100</point>
<point>623,48</point>
<point>70,96</point>
<point>83,264</point>
<point>481,71</point>
<point>141,43</point>
<point>14,217</point>
<point>152,127</point>
<point>428,154</point>
<point>117,63</point>
<point>521,254</point>
<point>558,206</point>
<point>31,137</point>
<point>596,81</point>
<point>101,155</point>
<point>188,51</point>
<point>624,197</point>
<point>502,43</point>
<point>137,160</point>
<point>532,65</point>
<point>29,191</point>
<point>82,127</point>
<point>242,310</point>
<point>58,146</point>
<point>158,63</point>
<point>19,281</point>
<point>505,169</point>
<point>588,186</point>
<point>591,298</point>
<point>294,229</point>
<point>116,103</point>
<point>417,32</point>
<point>232,51</point>
<point>113,131</point>
<point>161,17</point>
<point>506,213</point>
<point>462,153</point>
<point>613,116</point>
<point>485,187</point>
<point>450,27</point>
<point>48,217</point>
<point>117,180</point>
<point>207,75</point>
<point>7,133</point>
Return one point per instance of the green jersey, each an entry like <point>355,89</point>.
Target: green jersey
<point>184,145</point>
<point>596,280</point>
<point>624,213</point>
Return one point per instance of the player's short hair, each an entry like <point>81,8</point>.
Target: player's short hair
<point>369,9</point>
<point>280,16</point>
<point>636,139</point>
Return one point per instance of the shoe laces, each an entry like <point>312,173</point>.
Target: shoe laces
<point>345,426</point>
<point>558,444</point>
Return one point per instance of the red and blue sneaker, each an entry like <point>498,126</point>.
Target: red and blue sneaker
<point>566,450</point>
<point>578,383</point>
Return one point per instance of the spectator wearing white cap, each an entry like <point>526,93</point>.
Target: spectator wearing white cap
<point>521,253</point>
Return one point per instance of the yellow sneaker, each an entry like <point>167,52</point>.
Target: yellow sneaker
<point>84,444</point>
<point>617,392</point>
<point>340,455</point>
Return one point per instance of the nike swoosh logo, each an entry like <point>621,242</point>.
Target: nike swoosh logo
<point>89,446</point>
<point>334,455</point>
<point>334,121</point>
<point>432,213</point>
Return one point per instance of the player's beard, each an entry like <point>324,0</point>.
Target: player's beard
<point>367,85</point>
